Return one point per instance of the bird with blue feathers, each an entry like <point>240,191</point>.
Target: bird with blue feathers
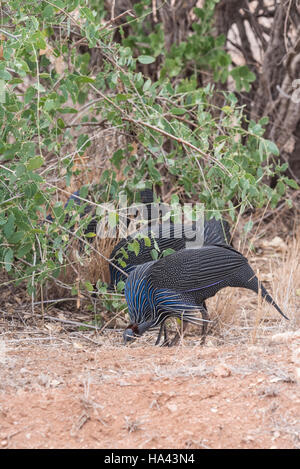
<point>179,284</point>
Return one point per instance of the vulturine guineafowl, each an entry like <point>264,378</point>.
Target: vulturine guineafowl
<point>75,196</point>
<point>146,196</point>
<point>164,236</point>
<point>178,285</point>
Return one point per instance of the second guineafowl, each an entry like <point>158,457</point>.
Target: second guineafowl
<point>164,236</point>
<point>178,285</point>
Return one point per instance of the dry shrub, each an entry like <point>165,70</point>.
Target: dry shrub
<point>88,167</point>
<point>81,267</point>
<point>285,280</point>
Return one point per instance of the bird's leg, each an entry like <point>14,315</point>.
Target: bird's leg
<point>205,317</point>
<point>166,336</point>
<point>162,326</point>
<point>179,333</point>
<point>163,329</point>
<point>159,335</point>
<point>166,341</point>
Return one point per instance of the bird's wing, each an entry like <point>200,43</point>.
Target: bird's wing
<point>192,269</point>
<point>216,232</point>
<point>172,236</point>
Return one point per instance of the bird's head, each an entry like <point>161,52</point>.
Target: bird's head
<point>131,332</point>
<point>135,330</point>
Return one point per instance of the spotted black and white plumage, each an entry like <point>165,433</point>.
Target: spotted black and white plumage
<point>164,236</point>
<point>179,284</point>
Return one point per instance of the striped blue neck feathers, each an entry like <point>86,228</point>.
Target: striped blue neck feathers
<point>137,295</point>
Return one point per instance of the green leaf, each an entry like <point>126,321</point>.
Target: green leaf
<point>147,85</point>
<point>134,246</point>
<point>60,123</point>
<point>9,227</point>
<point>89,286</point>
<point>117,158</point>
<point>90,235</point>
<point>60,256</point>
<point>24,249</point>
<point>29,94</point>
<point>5,75</point>
<point>88,14</point>
<point>154,254</point>
<point>35,163</point>
<point>147,241</point>
<point>48,12</point>
<point>84,79</point>
<point>39,40</point>
<point>243,77</point>
<point>122,97</point>
<point>167,252</point>
<point>146,59</point>
<point>8,258</point>
<point>20,169</point>
<point>280,187</point>
<point>248,226</point>
<point>271,147</point>
<point>83,142</point>
<point>177,111</point>
<point>293,184</point>
<point>120,286</point>
<point>68,110</point>
<point>16,237</point>
<point>113,218</point>
<point>39,87</point>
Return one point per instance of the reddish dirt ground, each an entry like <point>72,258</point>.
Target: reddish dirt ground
<point>67,394</point>
<point>62,386</point>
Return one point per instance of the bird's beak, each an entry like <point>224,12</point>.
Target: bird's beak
<point>129,335</point>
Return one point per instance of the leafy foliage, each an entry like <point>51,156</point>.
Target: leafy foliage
<point>176,131</point>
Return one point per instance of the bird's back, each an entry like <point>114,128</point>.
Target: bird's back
<point>216,232</point>
<point>191,269</point>
<point>167,236</point>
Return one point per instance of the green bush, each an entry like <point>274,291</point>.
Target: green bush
<point>46,80</point>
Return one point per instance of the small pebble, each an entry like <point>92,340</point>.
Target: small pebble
<point>222,371</point>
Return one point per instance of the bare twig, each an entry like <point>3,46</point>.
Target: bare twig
<point>161,131</point>
<point>6,33</point>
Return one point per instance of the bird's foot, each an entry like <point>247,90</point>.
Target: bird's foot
<point>166,343</point>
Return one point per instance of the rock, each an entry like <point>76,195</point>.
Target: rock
<point>172,407</point>
<point>77,345</point>
<point>222,371</point>
<point>43,380</point>
<point>286,336</point>
<point>275,243</point>
<point>54,383</point>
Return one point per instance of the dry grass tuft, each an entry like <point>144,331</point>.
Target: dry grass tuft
<point>238,312</point>
<point>82,267</point>
<point>285,283</point>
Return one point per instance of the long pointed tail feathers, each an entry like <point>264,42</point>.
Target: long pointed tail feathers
<point>254,285</point>
<point>270,300</point>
